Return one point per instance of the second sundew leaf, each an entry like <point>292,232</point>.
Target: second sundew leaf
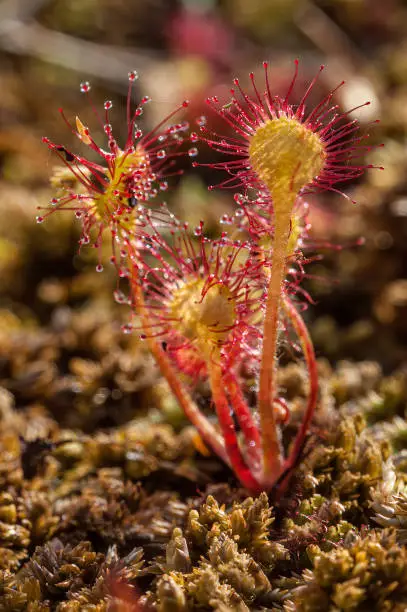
<point>203,305</point>
<point>199,293</point>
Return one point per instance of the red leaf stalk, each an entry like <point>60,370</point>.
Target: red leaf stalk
<point>244,415</point>
<point>223,411</point>
<point>309,355</point>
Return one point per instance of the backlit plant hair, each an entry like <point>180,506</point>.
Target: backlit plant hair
<point>209,308</point>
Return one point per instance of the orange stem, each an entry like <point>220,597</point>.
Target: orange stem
<point>272,452</point>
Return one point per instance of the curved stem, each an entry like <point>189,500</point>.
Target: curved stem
<point>227,426</point>
<point>309,355</point>
<point>206,430</point>
<point>272,453</point>
<point>243,413</point>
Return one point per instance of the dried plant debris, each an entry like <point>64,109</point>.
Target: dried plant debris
<point>136,514</point>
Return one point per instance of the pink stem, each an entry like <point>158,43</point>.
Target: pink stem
<point>243,413</point>
<point>225,419</point>
<point>309,355</point>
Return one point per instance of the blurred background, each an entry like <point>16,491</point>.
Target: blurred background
<point>192,49</point>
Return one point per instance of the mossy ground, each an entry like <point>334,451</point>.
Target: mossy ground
<point>109,498</point>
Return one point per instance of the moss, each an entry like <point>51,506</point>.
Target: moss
<point>74,497</point>
<point>75,575</point>
<point>367,573</point>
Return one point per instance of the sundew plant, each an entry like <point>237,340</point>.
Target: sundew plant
<point>219,309</point>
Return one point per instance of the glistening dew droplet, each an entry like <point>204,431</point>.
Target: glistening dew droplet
<point>85,87</point>
<point>119,296</point>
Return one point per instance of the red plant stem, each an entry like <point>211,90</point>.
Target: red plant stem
<point>309,355</point>
<point>206,430</point>
<point>225,420</point>
<point>243,413</point>
<point>272,452</point>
